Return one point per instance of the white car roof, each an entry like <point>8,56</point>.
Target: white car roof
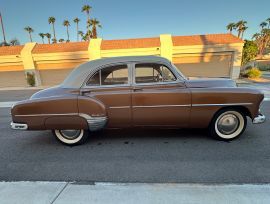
<point>76,78</point>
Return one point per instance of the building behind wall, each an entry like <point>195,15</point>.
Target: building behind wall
<point>214,55</point>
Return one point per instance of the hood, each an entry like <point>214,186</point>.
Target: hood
<point>210,82</point>
<point>53,92</point>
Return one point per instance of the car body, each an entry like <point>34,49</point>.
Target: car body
<point>145,91</point>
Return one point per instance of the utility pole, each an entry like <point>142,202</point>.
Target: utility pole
<point>3,30</point>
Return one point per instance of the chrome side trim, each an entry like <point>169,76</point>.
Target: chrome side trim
<point>18,126</point>
<point>119,107</point>
<point>162,106</point>
<point>52,114</point>
<point>259,119</point>
<point>97,123</point>
<point>222,104</point>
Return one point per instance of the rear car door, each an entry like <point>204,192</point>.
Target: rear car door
<point>112,86</point>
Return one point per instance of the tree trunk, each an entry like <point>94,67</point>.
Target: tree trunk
<point>239,33</point>
<point>30,37</point>
<point>54,33</point>
<point>77,27</point>
<point>67,34</point>
<point>94,32</point>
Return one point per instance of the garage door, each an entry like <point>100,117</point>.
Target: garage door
<point>53,77</point>
<point>204,65</point>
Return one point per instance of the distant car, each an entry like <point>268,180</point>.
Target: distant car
<point>145,91</point>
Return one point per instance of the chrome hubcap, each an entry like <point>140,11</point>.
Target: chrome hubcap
<point>70,134</point>
<point>228,124</point>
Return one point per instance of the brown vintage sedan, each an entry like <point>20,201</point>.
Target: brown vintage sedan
<point>145,91</point>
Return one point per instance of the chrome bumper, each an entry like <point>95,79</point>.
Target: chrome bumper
<point>259,119</point>
<point>18,126</point>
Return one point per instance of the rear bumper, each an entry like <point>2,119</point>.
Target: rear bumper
<point>18,126</point>
<point>259,119</point>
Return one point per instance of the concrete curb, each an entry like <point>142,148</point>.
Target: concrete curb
<point>131,193</point>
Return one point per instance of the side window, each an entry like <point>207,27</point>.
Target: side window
<point>153,73</point>
<point>113,75</point>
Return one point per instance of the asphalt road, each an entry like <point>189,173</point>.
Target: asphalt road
<point>188,156</point>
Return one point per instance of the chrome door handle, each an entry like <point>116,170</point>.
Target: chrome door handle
<point>137,89</point>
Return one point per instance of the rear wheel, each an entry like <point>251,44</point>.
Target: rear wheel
<point>71,137</point>
<point>228,124</point>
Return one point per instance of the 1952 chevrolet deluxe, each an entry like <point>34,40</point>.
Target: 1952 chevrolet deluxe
<point>142,91</point>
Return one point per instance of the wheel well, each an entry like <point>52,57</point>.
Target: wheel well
<point>243,109</point>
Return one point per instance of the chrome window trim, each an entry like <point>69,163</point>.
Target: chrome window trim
<point>131,75</point>
<point>91,74</point>
<point>169,66</point>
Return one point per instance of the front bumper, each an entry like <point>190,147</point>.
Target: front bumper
<point>259,119</point>
<point>18,126</point>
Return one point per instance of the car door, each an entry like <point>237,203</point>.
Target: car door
<point>112,86</point>
<point>159,98</point>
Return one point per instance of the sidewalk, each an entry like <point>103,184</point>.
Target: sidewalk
<point>131,193</point>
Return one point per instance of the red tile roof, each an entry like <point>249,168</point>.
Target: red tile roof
<point>205,39</point>
<point>11,50</point>
<point>126,44</point>
<point>130,43</point>
<point>61,47</point>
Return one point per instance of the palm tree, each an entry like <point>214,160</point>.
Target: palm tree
<point>51,20</point>
<point>230,27</point>
<point>263,24</point>
<point>67,24</point>
<point>29,30</point>
<point>244,28</point>
<point>14,41</point>
<point>256,36</point>
<point>239,25</point>
<point>94,23</point>
<point>61,40</point>
<point>80,33</point>
<point>48,35</point>
<point>42,35</point>
<point>86,9</point>
<point>268,20</point>
<point>77,20</point>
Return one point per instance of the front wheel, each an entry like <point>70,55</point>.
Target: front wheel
<point>71,137</point>
<point>228,124</point>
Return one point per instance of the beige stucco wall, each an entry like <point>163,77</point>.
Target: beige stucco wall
<point>219,60</point>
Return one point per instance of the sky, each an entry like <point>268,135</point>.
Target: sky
<point>123,19</point>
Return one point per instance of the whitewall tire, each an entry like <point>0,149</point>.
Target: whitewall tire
<point>228,124</point>
<point>71,137</point>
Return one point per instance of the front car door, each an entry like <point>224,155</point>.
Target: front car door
<point>159,96</point>
<point>111,85</point>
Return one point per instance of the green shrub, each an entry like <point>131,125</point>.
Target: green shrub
<point>30,77</point>
<point>253,73</point>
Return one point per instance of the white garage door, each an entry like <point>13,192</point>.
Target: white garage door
<point>204,65</point>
